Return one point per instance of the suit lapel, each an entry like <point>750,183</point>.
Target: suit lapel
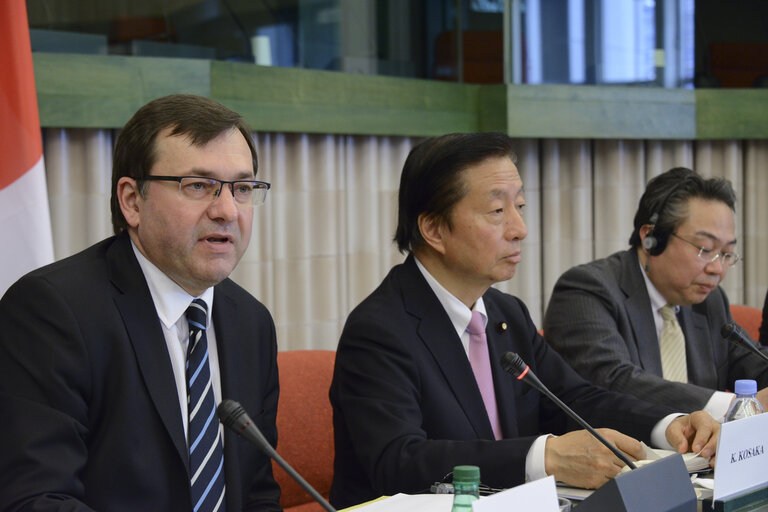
<point>436,332</point>
<point>145,333</point>
<point>698,349</point>
<point>224,318</point>
<point>638,307</point>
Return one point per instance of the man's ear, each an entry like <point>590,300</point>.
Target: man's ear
<point>129,198</point>
<point>644,231</point>
<point>432,231</point>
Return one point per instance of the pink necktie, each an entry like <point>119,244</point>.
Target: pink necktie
<point>481,366</point>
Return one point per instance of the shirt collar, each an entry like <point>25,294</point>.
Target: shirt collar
<point>171,300</point>
<point>457,311</point>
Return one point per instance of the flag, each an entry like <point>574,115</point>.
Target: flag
<point>26,241</point>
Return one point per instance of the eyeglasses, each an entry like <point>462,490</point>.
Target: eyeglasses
<point>200,189</point>
<point>729,259</point>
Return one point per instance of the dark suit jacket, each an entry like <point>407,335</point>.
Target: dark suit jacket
<point>600,320</point>
<point>89,414</point>
<point>764,324</point>
<point>407,408</point>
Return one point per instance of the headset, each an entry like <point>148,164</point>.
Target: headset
<point>656,241</point>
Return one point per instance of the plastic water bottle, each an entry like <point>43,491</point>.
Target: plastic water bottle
<point>744,404</point>
<point>466,487</point>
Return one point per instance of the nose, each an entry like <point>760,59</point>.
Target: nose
<point>516,228</point>
<point>716,267</point>
<point>223,206</point>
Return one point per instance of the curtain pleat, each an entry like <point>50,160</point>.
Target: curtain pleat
<point>323,239</point>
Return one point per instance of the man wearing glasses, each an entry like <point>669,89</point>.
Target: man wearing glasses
<point>647,321</point>
<point>112,361</point>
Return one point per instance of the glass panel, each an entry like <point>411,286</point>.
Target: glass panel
<point>617,42</point>
<point>610,42</point>
<point>388,37</point>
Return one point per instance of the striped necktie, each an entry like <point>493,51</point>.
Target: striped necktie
<point>672,347</point>
<point>206,454</point>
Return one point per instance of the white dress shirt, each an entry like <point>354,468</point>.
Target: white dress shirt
<point>171,303</point>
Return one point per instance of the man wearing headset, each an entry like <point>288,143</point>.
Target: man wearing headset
<point>647,320</point>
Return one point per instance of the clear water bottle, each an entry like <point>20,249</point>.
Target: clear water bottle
<point>466,487</point>
<point>744,404</point>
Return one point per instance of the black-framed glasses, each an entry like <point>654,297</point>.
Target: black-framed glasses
<point>201,189</point>
<point>729,259</point>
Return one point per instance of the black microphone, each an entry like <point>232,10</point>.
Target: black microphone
<point>514,364</point>
<point>233,416</point>
<point>738,336</point>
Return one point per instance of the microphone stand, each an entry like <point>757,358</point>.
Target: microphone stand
<point>514,364</point>
<point>233,416</point>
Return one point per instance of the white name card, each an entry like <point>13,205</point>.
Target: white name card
<point>537,496</point>
<point>742,456</point>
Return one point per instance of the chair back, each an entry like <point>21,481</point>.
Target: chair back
<point>305,426</point>
<point>749,318</point>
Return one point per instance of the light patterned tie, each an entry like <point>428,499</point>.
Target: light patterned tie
<point>672,346</point>
<point>206,455</point>
<point>481,366</point>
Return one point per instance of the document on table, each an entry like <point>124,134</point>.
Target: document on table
<point>694,462</point>
<point>408,503</point>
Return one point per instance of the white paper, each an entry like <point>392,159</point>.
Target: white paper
<point>410,503</point>
<point>537,496</point>
<point>693,461</point>
<point>742,461</point>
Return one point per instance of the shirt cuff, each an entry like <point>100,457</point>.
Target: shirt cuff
<point>718,404</point>
<point>535,466</point>
<point>659,432</point>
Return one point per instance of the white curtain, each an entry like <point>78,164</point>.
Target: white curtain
<point>323,239</point>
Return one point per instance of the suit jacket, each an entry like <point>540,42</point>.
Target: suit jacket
<point>89,413</point>
<point>407,409</point>
<point>600,320</point>
<point>764,324</point>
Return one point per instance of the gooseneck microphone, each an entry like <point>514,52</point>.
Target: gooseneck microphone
<point>233,416</point>
<point>738,336</point>
<point>514,364</point>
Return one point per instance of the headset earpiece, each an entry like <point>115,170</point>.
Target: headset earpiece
<point>650,243</point>
<point>656,241</point>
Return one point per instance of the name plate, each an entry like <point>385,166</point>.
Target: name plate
<point>536,496</point>
<point>742,458</point>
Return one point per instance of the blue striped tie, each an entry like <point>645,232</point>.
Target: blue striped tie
<point>206,456</point>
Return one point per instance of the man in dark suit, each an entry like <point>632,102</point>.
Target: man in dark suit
<point>764,323</point>
<point>418,386</point>
<point>606,318</point>
<point>105,403</point>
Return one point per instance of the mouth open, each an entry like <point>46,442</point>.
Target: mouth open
<point>218,239</point>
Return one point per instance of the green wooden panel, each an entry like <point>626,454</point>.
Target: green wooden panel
<point>732,114</point>
<point>98,91</point>
<point>298,100</point>
<point>597,112</point>
<point>493,108</point>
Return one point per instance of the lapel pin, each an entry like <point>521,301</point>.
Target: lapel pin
<point>501,327</point>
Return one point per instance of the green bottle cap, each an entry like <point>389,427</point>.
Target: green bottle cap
<point>466,474</point>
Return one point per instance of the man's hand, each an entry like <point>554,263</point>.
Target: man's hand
<point>580,460</point>
<point>696,432</point>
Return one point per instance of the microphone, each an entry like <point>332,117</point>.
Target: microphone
<point>233,416</point>
<point>514,364</point>
<point>738,336</point>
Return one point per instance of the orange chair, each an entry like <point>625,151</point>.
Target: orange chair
<point>305,426</point>
<point>749,318</point>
